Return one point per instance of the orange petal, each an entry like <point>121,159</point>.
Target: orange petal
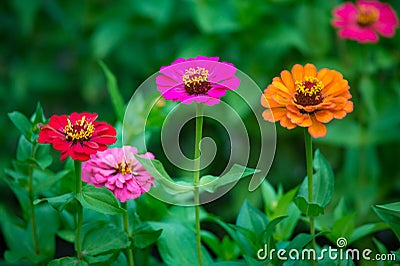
<point>310,70</point>
<point>288,80</point>
<point>285,122</point>
<point>324,116</point>
<point>349,107</point>
<point>264,101</point>
<point>328,77</point>
<point>298,72</point>
<point>307,121</point>
<point>282,87</point>
<point>295,118</point>
<point>274,114</point>
<point>317,129</point>
<point>339,114</point>
<point>322,73</point>
<point>336,88</point>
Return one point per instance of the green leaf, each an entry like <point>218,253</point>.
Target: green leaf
<point>390,213</point>
<point>46,180</point>
<point>38,117</point>
<point>165,184</point>
<point>211,183</point>
<point>59,202</point>
<point>266,235</point>
<point>322,188</point>
<point>43,156</point>
<point>365,230</point>
<point>22,123</point>
<point>102,238</point>
<point>269,196</point>
<point>18,236</point>
<point>67,261</point>
<point>177,244</point>
<point>113,91</point>
<point>99,199</point>
<point>251,218</point>
<point>342,227</point>
<point>255,222</point>
<point>25,150</point>
<point>144,235</point>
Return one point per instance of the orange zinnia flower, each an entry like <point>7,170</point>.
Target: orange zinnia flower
<point>307,98</point>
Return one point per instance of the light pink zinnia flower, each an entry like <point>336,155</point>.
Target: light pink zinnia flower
<point>364,20</point>
<point>201,79</point>
<point>119,171</point>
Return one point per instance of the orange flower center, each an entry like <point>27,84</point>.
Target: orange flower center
<point>308,92</point>
<point>82,130</point>
<point>196,81</point>
<point>367,15</point>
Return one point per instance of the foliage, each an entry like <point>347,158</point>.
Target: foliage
<point>91,57</point>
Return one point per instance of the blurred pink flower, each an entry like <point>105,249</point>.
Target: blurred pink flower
<point>364,20</point>
<point>118,170</point>
<point>201,79</point>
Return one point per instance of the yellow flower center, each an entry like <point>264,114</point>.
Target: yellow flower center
<point>82,130</point>
<point>308,92</point>
<point>196,81</point>
<point>367,15</point>
<point>123,168</point>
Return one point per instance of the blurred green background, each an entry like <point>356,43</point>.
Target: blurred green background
<point>49,52</point>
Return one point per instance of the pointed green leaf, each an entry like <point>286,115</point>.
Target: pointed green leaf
<point>164,181</point>
<point>365,230</point>
<point>390,213</point>
<point>255,222</point>
<point>211,183</point>
<point>59,202</point>
<point>322,188</point>
<point>177,244</point>
<point>67,261</point>
<point>22,123</point>
<point>99,199</point>
<point>38,117</point>
<point>103,238</point>
<point>115,95</point>
<point>144,236</point>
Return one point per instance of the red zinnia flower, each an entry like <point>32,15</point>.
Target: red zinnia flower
<point>77,135</point>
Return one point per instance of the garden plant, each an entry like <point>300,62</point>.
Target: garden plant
<point>200,132</point>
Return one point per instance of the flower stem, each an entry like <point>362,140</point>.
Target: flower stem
<point>79,212</point>
<point>32,208</point>
<point>125,218</point>
<point>196,178</point>
<point>309,160</point>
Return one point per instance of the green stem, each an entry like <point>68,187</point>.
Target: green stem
<point>196,178</point>
<point>32,208</point>
<point>309,160</point>
<point>79,212</point>
<point>125,218</point>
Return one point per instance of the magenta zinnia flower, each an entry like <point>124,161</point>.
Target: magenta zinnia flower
<point>201,79</point>
<point>118,170</point>
<point>364,20</point>
<point>77,135</point>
